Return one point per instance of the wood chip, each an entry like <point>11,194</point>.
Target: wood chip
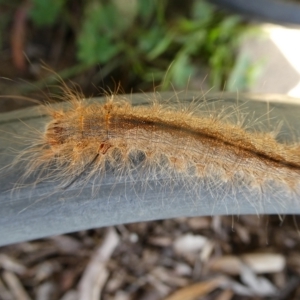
<point>66,243</point>
<point>160,241</point>
<point>46,291</point>
<point>4,293</point>
<point>12,265</point>
<point>96,274</point>
<point>243,233</point>
<point>45,269</point>
<point>260,286</point>
<point>257,262</point>
<point>121,295</point>
<point>189,243</point>
<point>193,291</point>
<point>162,288</point>
<point>225,295</point>
<point>183,269</point>
<point>199,223</point>
<point>228,264</point>
<point>15,286</point>
<point>165,276</point>
<point>264,262</point>
<point>70,295</point>
<point>206,251</point>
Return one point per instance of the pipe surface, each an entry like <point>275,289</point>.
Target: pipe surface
<point>275,11</point>
<point>42,211</point>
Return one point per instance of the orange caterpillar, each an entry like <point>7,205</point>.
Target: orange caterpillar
<point>81,140</point>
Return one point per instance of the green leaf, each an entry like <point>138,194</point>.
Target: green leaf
<point>146,9</point>
<point>148,39</point>
<point>97,41</point>
<point>160,47</point>
<point>202,11</point>
<point>93,50</point>
<point>180,71</point>
<point>46,12</point>
<point>105,19</point>
<point>244,74</point>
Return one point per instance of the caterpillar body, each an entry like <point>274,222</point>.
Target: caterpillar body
<point>181,144</point>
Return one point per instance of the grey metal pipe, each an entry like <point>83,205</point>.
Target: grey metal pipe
<point>40,212</point>
<point>275,11</point>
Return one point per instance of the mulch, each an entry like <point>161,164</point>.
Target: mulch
<point>223,258</point>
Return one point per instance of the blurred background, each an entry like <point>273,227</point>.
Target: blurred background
<point>142,45</point>
<point>138,45</point>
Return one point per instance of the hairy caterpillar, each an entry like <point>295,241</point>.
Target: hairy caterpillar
<point>158,160</point>
<point>87,137</point>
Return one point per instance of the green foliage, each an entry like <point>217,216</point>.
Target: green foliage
<point>46,12</point>
<point>150,39</point>
<point>244,73</point>
<point>99,38</point>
